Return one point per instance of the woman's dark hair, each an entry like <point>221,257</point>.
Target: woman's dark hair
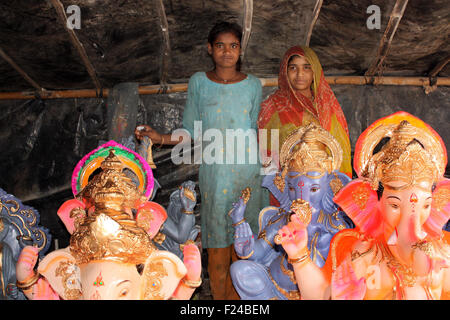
<point>292,58</point>
<point>226,27</point>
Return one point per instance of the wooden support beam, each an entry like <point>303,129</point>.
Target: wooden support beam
<point>385,81</point>
<point>315,16</point>
<point>165,62</point>
<point>76,43</point>
<point>19,70</point>
<point>386,40</point>
<point>438,68</point>
<point>266,82</point>
<point>248,17</point>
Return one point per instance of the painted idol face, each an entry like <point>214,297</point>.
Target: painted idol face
<point>406,210</point>
<point>108,280</point>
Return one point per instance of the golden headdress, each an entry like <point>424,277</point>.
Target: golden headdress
<point>414,153</point>
<point>309,148</point>
<point>112,187</point>
<point>110,233</point>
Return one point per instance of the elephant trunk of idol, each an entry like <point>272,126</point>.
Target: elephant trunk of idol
<point>410,234</point>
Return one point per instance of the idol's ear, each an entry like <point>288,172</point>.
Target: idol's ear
<point>69,213</point>
<point>440,209</point>
<point>360,203</point>
<point>150,216</point>
<point>61,271</point>
<point>335,182</point>
<point>269,182</point>
<point>161,275</point>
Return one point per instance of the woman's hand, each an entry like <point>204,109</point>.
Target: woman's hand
<point>145,130</point>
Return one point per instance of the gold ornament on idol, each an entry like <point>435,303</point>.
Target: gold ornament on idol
<point>302,210</point>
<point>411,155</point>
<point>110,233</point>
<point>309,148</point>
<point>189,194</point>
<point>246,194</point>
<point>112,188</point>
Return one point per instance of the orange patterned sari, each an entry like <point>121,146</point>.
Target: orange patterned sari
<point>287,110</point>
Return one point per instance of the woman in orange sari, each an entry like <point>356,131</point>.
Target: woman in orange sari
<point>303,96</point>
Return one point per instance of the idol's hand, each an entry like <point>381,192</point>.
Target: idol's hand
<point>192,261</point>
<point>243,240</point>
<point>237,213</point>
<point>188,196</point>
<point>43,291</point>
<point>426,258</point>
<point>26,262</point>
<point>293,237</point>
<point>345,285</point>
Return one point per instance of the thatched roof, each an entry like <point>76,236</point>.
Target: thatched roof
<point>124,41</point>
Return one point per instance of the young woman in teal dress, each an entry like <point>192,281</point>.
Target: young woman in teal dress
<point>223,99</point>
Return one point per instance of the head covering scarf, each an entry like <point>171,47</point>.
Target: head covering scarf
<point>287,110</point>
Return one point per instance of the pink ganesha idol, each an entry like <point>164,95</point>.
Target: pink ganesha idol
<point>399,204</point>
<point>111,253</point>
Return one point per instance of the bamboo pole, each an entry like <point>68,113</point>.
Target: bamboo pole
<point>438,68</point>
<point>386,40</point>
<point>166,42</point>
<point>20,70</point>
<point>248,17</point>
<point>76,43</point>
<point>266,82</point>
<point>315,15</point>
<point>387,81</point>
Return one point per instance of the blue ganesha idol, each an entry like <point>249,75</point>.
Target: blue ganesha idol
<point>306,185</point>
<point>19,227</point>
